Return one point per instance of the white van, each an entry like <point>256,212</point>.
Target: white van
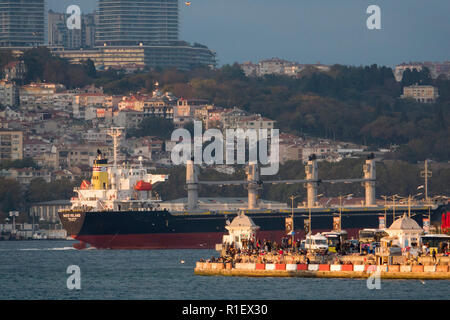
<point>315,242</point>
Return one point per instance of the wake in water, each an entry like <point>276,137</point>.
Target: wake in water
<point>46,249</point>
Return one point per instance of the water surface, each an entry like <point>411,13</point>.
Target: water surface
<point>37,270</point>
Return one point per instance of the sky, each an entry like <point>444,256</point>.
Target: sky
<point>311,31</point>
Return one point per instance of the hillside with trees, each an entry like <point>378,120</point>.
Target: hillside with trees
<point>358,104</point>
<point>347,103</point>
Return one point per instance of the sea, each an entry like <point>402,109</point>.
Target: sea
<point>38,269</point>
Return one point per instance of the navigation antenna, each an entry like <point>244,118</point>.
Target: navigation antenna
<point>426,174</point>
<point>115,133</point>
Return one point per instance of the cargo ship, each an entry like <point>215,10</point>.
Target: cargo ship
<point>118,209</point>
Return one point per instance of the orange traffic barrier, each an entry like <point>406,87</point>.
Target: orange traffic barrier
<point>280,266</point>
<point>220,266</point>
<point>417,269</point>
<point>441,268</point>
<point>324,267</point>
<point>302,267</point>
<point>260,266</point>
<point>228,266</point>
<point>394,268</point>
<point>370,267</point>
<point>347,267</point>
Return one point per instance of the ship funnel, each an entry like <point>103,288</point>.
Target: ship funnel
<point>100,180</point>
<point>192,185</point>
<point>370,174</point>
<point>312,175</point>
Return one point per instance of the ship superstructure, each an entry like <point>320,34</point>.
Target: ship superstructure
<point>117,187</point>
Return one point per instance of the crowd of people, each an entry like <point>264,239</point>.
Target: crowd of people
<point>266,251</point>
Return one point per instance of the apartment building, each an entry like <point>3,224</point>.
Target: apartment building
<point>11,145</point>
<point>40,95</point>
<point>9,93</point>
<point>22,23</point>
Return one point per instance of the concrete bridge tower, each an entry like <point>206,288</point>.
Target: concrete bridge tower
<point>370,173</point>
<point>313,175</point>
<point>252,172</point>
<point>192,185</point>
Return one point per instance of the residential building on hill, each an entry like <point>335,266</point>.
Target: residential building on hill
<point>9,93</point>
<point>11,145</point>
<point>424,94</point>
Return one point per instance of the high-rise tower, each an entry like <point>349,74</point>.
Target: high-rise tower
<point>137,22</point>
<point>22,23</point>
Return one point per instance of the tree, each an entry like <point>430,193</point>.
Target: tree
<point>39,190</point>
<point>411,77</point>
<point>18,163</point>
<point>89,68</point>
<point>153,126</point>
<point>10,195</point>
<point>41,65</point>
<point>6,57</point>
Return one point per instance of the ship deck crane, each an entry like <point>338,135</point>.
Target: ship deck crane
<point>254,183</point>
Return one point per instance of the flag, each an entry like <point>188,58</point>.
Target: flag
<point>336,223</point>
<point>306,225</point>
<point>426,225</point>
<point>289,225</point>
<point>381,222</point>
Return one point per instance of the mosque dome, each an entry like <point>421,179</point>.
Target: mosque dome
<point>405,223</point>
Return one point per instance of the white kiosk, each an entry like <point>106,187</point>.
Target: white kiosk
<point>240,230</point>
<point>404,232</point>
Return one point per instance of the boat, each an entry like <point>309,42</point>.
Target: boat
<point>118,209</point>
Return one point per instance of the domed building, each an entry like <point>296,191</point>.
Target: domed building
<point>404,232</point>
<point>240,230</point>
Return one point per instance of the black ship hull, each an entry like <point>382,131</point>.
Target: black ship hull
<point>181,230</point>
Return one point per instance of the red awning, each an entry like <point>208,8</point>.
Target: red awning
<point>85,184</point>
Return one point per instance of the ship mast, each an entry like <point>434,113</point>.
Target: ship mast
<point>426,174</point>
<point>115,133</point>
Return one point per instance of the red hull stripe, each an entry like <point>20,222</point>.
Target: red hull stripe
<point>203,240</point>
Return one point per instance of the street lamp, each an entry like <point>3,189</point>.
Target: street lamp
<point>395,196</point>
<point>385,207</point>
<point>33,215</point>
<point>310,220</point>
<point>292,197</point>
<point>340,208</point>
<point>14,214</point>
